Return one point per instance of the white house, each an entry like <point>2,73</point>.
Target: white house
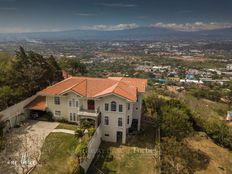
<point>116,102</point>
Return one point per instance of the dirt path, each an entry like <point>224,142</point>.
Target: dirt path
<point>23,146</point>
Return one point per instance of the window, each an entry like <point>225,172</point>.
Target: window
<point>76,103</point>
<point>128,106</point>
<point>70,117</point>
<point>113,106</point>
<point>106,106</point>
<point>106,120</point>
<point>57,100</point>
<point>120,108</point>
<point>73,102</point>
<point>128,119</point>
<point>74,116</point>
<point>57,113</point>
<point>120,122</point>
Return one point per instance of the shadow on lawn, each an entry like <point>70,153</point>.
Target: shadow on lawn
<point>135,146</point>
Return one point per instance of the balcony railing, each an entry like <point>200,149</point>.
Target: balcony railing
<point>87,112</point>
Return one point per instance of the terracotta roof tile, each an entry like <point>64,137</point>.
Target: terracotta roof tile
<point>96,87</point>
<point>39,103</point>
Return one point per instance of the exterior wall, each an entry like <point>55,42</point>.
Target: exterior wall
<point>16,113</point>
<point>92,148</point>
<point>113,127</point>
<point>63,107</point>
<point>137,109</point>
<point>109,131</point>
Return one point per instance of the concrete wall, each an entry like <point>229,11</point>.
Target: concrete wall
<point>92,148</point>
<point>16,113</point>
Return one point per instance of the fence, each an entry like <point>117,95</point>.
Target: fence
<point>92,148</point>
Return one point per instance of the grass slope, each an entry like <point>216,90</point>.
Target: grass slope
<point>57,154</point>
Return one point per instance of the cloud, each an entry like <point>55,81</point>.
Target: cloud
<point>85,14</point>
<point>16,29</point>
<point>197,26</point>
<point>118,5</point>
<point>111,27</point>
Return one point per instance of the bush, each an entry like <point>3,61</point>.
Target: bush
<point>81,151</point>
<point>175,120</point>
<point>220,133</point>
<point>86,124</point>
<point>91,131</point>
<point>49,116</point>
<point>79,133</point>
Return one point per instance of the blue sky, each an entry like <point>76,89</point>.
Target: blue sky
<point>56,15</point>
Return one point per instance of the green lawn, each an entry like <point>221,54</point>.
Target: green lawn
<point>67,126</point>
<point>136,157</point>
<point>57,154</point>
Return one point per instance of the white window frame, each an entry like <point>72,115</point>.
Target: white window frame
<point>120,105</point>
<point>57,100</point>
<point>106,120</point>
<point>57,115</point>
<point>120,121</point>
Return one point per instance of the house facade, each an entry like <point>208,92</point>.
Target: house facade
<point>114,103</point>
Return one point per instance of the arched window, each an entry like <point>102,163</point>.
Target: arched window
<point>113,106</point>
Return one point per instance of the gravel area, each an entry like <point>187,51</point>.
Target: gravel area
<point>23,146</point>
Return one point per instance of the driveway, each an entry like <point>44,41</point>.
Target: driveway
<point>23,146</point>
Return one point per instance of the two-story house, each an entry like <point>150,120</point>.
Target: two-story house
<point>115,102</point>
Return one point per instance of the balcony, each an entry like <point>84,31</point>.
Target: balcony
<point>88,112</point>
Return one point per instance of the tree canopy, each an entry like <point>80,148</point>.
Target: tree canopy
<point>25,74</point>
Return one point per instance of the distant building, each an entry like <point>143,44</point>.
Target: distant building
<point>229,116</point>
<point>229,67</point>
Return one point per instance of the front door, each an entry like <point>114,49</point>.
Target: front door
<point>91,105</point>
<point>119,137</point>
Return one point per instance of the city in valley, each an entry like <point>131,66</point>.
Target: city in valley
<point>123,87</point>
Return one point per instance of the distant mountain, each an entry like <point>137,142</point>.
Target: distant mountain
<point>142,33</point>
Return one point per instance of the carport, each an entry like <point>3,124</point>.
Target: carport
<point>37,107</point>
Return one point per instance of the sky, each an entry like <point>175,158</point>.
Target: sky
<point>58,15</point>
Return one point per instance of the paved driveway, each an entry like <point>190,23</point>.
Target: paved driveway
<point>23,146</point>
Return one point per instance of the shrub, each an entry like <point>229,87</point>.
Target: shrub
<point>220,133</point>
<point>79,133</point>
<point>86,124</point>
<point>175,120</point>
<point>49,115</point>
<point>91,131</point>
<point>81,151</point>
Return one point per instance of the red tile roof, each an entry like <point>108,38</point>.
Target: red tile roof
<point>97,87</point>
<point>39,103</point>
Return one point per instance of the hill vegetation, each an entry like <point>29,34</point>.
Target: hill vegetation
<point>25,74</point>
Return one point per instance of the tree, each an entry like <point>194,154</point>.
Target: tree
<point>153,103</point>
<point>176,120</point>
<point>73,66</point>
<point>26,74</point>
<point>178,158</point>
